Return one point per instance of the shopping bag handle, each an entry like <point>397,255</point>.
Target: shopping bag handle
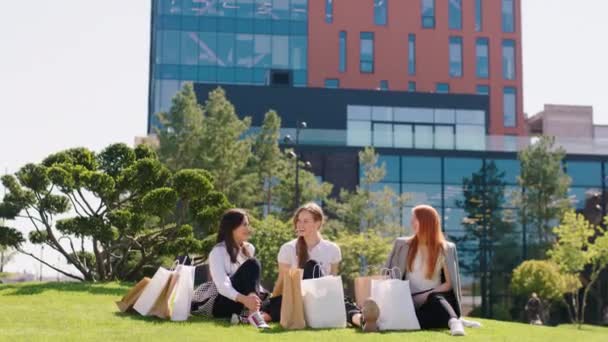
<point>317,267</point>
<point>391,272</point>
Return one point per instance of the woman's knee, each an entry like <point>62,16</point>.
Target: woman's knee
<point>252,265</point>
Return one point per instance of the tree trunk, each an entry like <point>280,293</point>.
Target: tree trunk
<point>594,276</point>
<point>569,310</point>
<point>101,274</point>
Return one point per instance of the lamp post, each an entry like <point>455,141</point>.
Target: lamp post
<point>296,156</point>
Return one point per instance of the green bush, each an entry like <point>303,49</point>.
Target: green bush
<point>370,245</point>
<point>268,237</point>
<point>542,277</point>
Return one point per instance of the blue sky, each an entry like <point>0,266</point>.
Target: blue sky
<point>75,73</point>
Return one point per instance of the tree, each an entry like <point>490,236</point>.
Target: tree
<point>6,255</point>
<point>310,188</point>
<point>182,131</point>
<point>545,185</point>
<point>225,150</point>
<point>544,278</point>
<point>368,246</point>
<point>123,202</point>
<point>268,160</point>
<point>211,137</point>
<point>485,224</point>
<point>368,210</point>
<point>580,246</point>
<point>268,237</point>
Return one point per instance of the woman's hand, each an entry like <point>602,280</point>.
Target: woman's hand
<point>421,298</point>
<point>252,302</point>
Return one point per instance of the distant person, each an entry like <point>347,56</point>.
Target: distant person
<point>534,309</point>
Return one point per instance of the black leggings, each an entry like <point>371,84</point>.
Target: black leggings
<point>438,309</point>
<point>245,280</point>
<point>273,305</point>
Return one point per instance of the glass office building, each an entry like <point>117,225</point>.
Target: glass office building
<point>225,42</point>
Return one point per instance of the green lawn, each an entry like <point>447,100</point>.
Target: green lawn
<point>86,312</point>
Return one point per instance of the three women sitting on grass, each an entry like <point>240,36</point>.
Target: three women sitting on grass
<point>426,259</point>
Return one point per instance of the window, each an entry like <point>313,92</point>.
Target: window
<point>478,16</point>
<point>455,14</point>
<point>332,83</point>
<point>444,137</point>
<point>416,169</point>
<point>342,51</point>
<point>442,88</point>
<point>280,51</point>
<point>367,52</point>
<point>329,11</point>
<point>383,135</point>
<point>483,60</point>
<point>411,59</point>
<point>483,89</point>
<point>423,136</point>
<point>445,116</point>
<point>358,133</point>
<point>403,136</point>
<point>428,13</point>
<point>297,45</point>
<point>383,85</point>
<point>509,105</point>
<point>455,57</point>
<point>411,86</point>
<point>508,59</point>
<point>585,173</point>
<point>508,16</point>
<point>380,12</point>
<point>382,114</point>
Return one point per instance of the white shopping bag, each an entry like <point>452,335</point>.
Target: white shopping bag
<point>324,302</point>
<point>146,301</point>
<point>394,300</point>
<point>181,298</point>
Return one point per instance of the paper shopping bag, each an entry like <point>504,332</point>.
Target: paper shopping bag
<point>131,297</point>
<point>292,308</point>
<point>149,296</point>
<point>363,288</point>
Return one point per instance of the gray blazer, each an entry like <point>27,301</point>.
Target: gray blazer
<point>398,257</point>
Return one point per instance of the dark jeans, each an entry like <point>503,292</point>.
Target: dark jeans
<point>245,280</point>
<point>273,305</point>
<point>438,309</point>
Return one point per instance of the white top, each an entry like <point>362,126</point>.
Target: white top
<point>325,253</point>
<point>417,276</point>
<point>221,268</point>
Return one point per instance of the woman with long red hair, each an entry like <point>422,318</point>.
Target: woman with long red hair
<point>430,263</point>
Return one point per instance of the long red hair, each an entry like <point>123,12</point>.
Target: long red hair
<point>429,234</point>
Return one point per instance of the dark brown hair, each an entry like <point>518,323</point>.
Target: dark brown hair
<point>230,221</point>
<point>317,214</point>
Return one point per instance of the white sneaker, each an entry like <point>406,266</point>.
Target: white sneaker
<point>470,324</point>
<point>234,320</point>
<point>456,327</point>
<point>257,320</point>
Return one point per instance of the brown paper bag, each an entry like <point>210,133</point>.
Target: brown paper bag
<point>161,308</point>
<point>363,288</point>
<point>278,286</point>
<point>127,302</point>
<point>292,307</point>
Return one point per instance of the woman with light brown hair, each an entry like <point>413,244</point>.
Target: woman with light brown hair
<point>430,263</point>
<point>316,256</point>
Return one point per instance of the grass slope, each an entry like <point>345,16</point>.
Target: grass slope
<point>86,312</point>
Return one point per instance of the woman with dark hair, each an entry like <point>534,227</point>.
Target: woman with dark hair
<point>235,273</point>
<point>430,263</point>
<point>317,257</point>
